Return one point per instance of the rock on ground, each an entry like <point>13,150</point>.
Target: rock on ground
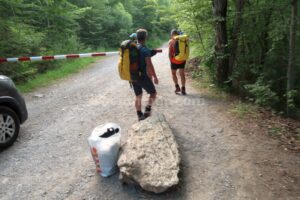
<point>150,156</point>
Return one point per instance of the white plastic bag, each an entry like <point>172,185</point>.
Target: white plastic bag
<point>104,143</point>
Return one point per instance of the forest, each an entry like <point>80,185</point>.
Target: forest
<point>51,27</point>
<point>250,48</point>
<point>247,47</point>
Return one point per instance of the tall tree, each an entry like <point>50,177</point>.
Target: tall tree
<point>221,41</point>
<point>235,33</point>
<point>258,43</point>
<point>292,48</point>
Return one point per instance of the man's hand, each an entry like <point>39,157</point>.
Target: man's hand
<point>155,79</point>
<point>151,71</point>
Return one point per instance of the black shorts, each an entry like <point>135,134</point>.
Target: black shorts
<point>178,66</point>
<point>145,84</point>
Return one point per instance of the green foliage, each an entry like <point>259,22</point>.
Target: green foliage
<point>50,27</point>
<point>55,74</point>
<point>262,93</point>
<point>291,96</point>
<point>262,47</point>
<point>244,110</point>
<point>275,131</point>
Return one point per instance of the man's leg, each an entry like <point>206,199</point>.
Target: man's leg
<point>174,76</point>
<point>182,77</point>
<point>138,103</point>
<point>175,80</point>
<point>148,108</point>
<point>138,99</point>
<point>152,98</point>
<point>150,88</point>
<point>138,107</point>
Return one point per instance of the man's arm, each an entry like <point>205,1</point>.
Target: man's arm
<point>153,52</point>
<point>150,70</point>
<point>170,51</point>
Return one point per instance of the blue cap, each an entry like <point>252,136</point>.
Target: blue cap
<point>133,36</point>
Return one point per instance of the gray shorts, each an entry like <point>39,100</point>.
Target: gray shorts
<point>146,84</point>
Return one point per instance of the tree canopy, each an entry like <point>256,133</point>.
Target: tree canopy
<point>48,27</point>
<point>254,50</point>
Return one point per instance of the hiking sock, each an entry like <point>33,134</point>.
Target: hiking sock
<point>183,92</point>
<point>177,88</point>
<point>140,115</point>
<point>147,111</point>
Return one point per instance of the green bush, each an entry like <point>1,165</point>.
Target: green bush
<point>262,93</point>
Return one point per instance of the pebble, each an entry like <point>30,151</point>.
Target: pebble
<point>38,95</point>
<point>220,130</point>
<point>90,175</point>
<point>5,180</point>
<point>282,172</point>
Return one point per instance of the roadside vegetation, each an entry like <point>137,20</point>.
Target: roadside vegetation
<point>249,48</point>
<point>249,117</point>
<point>51,27</point>
<point>244,52</point>
<point>50,76</point>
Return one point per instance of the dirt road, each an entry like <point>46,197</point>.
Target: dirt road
<point>51,159</point>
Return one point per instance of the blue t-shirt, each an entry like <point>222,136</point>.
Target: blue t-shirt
<point>144,52</point>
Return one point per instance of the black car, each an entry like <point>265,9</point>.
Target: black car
<point>13,112</point>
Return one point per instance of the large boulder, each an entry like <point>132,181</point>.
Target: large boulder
<point>150,156</point>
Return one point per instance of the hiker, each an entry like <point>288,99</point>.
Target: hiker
<point>133,37</point>
<point>148,76</point>
<point>176,65</point>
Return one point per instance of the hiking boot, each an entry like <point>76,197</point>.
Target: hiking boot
<point>177,90</point>
<point>147,112</point>
<point>183,92</point>
<point>140,118</point>
<point>140,115</point>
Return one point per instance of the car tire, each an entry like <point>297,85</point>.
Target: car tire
<point>9,126</point>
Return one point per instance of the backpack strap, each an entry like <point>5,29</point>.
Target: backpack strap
<point>140,47</point>
<point>122,54</point>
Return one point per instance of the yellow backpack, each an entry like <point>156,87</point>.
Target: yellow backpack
<point>128,61</point>
<point>182,50</point>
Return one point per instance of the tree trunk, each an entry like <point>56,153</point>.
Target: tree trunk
<point>264,41</point>
<point>292,49</point>
<point>235,34</point>
<point>221,46</point>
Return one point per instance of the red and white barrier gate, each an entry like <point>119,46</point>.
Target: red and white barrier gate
<point>61,57</point>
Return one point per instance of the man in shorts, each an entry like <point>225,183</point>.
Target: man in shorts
<point>176,65</point>
<point>148,76</point>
